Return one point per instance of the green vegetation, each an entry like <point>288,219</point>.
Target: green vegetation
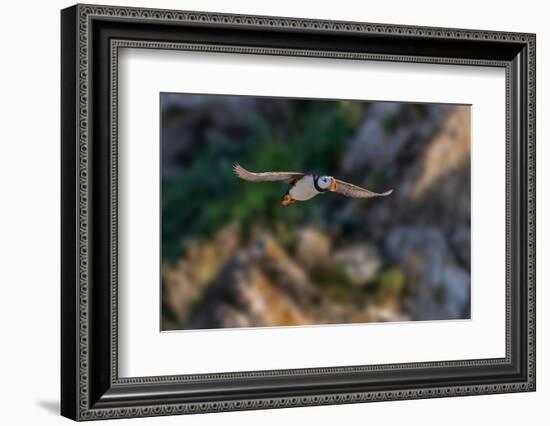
<point>336,285</point>
<point>391,281</point>
<point>389,284</point>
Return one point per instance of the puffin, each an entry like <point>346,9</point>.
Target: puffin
<point>305,186</point>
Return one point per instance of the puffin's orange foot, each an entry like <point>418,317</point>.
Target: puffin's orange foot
<point>287,199</point>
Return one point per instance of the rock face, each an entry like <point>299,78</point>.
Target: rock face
<point>440,289</point>
<point>448,151</point>
<point>184,282</point>
<point>372,145</point>
<point>389,131</point>
<point>361,262</point>
<point>313,248</point>
<point>260,286</point>
<point>460,242</point>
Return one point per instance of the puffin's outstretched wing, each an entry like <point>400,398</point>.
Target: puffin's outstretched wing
<point>287,177</point>
<point>353,191</point>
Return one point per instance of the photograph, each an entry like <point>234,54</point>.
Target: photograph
<point>281,211</point>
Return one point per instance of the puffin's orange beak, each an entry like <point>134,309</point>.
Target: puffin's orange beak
<point>333,186</point>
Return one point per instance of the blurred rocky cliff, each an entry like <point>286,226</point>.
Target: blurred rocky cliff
<point>234,257</point>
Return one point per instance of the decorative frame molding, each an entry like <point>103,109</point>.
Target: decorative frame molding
<point>91,38</point>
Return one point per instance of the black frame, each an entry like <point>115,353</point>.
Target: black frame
<point>90,38</point>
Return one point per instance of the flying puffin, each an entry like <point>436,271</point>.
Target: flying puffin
<point>304,186</point>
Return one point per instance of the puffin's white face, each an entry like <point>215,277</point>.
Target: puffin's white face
<point>325,182</point>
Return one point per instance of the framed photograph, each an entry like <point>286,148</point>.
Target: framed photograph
<point>263,212</point>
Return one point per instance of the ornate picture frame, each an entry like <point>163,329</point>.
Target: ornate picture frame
<point>91,37</point>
